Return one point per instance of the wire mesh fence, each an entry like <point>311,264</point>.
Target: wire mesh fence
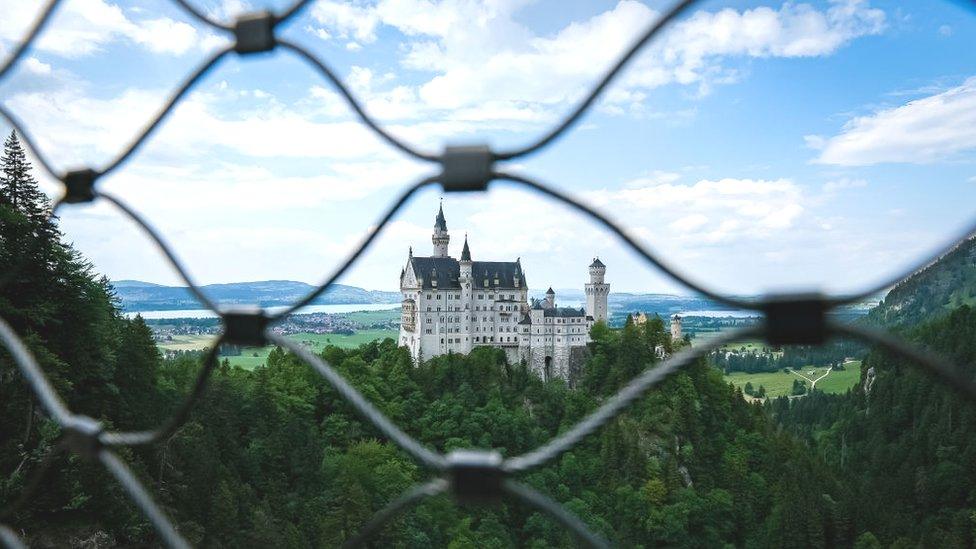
<point>469,475</point>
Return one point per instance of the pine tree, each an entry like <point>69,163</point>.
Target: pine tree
<point>18,188</point>
<point>29,241</point>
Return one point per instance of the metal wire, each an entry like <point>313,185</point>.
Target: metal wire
<point>943,370</point>
<point>556,511</point>
<point>397,507</point>
<point>9,539</point>
<point>128,481</point>
<point>35,29</point>
<point>363,407</point>
<point>87,438</point>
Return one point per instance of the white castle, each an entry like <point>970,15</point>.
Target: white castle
<point>452,305</point>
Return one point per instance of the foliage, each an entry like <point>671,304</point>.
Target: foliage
<point>906,448</point>
<point>274,457</point>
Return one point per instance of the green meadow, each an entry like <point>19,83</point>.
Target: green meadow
<point>780,383</point>
<point>252,357</point>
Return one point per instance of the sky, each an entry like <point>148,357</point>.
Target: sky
<point>757,146</point>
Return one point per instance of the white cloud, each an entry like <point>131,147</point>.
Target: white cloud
<point>934,128</point>
<point>84,27</point>
<point>707,211</point>
<point>478,52</point>
<point>73,127</point>
<point>843,183</point>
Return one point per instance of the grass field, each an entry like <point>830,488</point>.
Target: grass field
<point>366,318</point>
<point>186,343</point>
<point>781,383</point>
<point>252,357</point>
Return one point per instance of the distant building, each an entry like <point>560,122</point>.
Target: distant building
<point>675,327</point>
<point>455,305</point>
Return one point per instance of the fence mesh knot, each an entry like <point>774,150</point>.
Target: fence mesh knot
<point>254,32</point>
<point>796,319</point>
<point>476,476</point>
<point>83,435</point>
<point>466,168</point>
<point>79,186</point>
<point>246,327</point>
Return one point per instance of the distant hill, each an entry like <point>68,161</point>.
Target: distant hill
<point>933,291</point>
<point>626,302</point>
<point>145,296</point>
<point>136,296</point>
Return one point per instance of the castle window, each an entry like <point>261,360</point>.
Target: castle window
<point>438,296</point>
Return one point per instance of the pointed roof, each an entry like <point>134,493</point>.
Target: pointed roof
<point>550,292</point>
<point>440,222</point>
<point>597,263</point>
<point>466,252</point>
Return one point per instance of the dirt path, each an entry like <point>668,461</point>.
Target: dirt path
<point>813,382</point>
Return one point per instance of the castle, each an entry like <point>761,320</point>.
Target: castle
<point>452,305</point>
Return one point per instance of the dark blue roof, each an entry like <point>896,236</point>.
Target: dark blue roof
<point>597,263</point>
<point>563,312</point>
<point>466,252</point>
<point>447,271</point>
<point>440,222</point>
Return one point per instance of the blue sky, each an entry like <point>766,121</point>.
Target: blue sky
<point>756,145</point>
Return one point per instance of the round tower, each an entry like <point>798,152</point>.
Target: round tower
<point>440,238</point>
<point>597,271</point>
<point>597,291</point>
<point>675,327</point>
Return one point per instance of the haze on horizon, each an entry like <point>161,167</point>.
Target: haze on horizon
<point>757,145</point>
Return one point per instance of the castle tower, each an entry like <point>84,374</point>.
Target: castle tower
<point>465,262</point>
<point>597,291</point>
<point>440,238</point>
<point>550,299</point>
<point>675,327</point>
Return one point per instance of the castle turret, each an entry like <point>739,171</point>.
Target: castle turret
<point>465,262</point>
<point>440,238</point>
<point>550,299</point>
<point>597,291</point>
<point>675,327</point>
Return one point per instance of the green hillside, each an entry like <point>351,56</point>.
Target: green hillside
<point>934,291</point>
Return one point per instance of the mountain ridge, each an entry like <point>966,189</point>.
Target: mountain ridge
<point>136,296</point>
<point>933,291</point>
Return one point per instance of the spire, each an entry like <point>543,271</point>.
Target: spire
<point>550,292</point>
<point>411,251</point>
<point>466,252</point>
<point>440,223</point>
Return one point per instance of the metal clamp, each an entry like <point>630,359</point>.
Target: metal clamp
<point>466,168</point>
<point>79,186</point>
<point>476,476</point>
<point>245,327</point>
<point>82,435</point>
<point>254,32</point>
<point>796,319</point>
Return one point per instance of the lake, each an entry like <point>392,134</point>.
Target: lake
<point>206,313</point>
<point>722,314</point>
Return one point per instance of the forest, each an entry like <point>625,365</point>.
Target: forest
<point>274,457</point>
